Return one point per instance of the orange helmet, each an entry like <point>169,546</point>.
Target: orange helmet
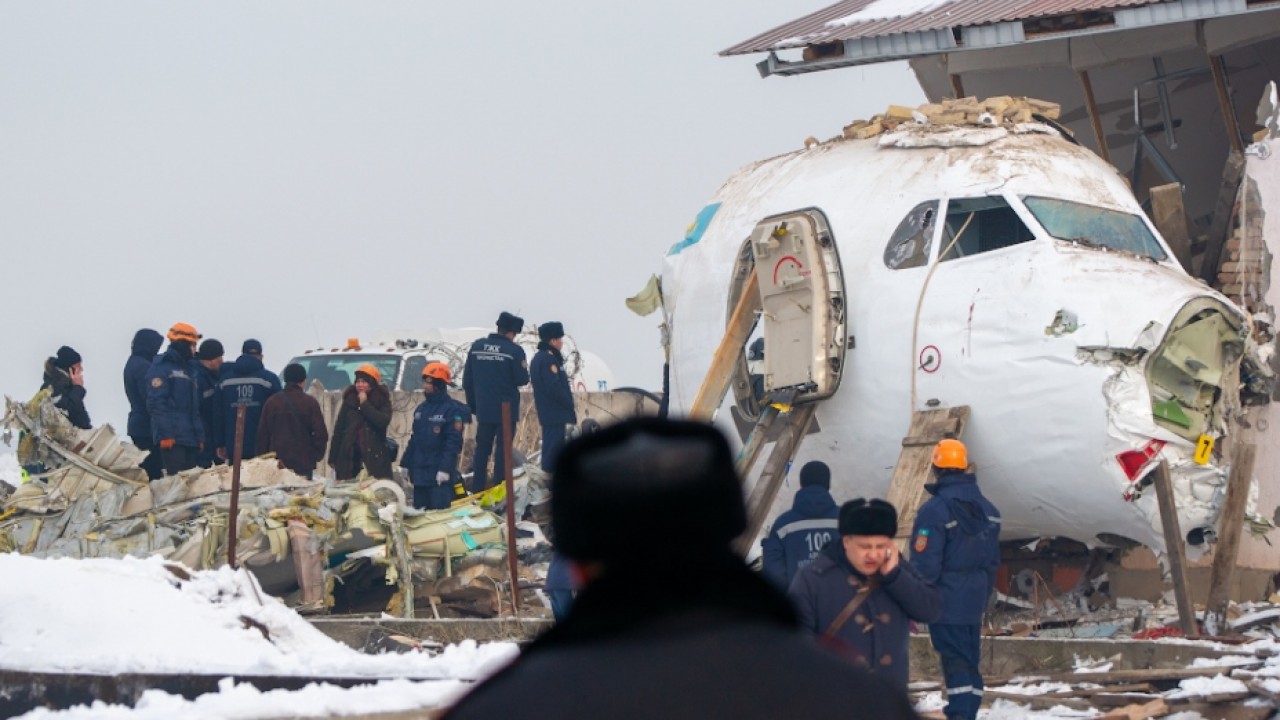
<point>184,332</point>
<point>438,371</point>
<point>371,371</point>
<point>950,454</point>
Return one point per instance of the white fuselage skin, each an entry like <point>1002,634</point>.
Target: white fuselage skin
<point>1045,425</point>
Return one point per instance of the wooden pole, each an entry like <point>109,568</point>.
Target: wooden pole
<point>741,322</point>
<point>957,85</point>
<point>1226,552</point>
<point>1219,70</point>
<point>509,479</point>
<point>233,516</point>
<point>1174,550</point>
<point>1094,119</point>
<point>775,469</point>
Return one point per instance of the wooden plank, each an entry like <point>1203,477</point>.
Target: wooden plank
<point>1094,119</point>
<point>775,470</point>
<point>1170,218</point>
<point>906,487</point>
<point>1219,70</point>
<point>1230,525</point>
<point>1175,550</point>
<point>1223,211</point>
<point>716,384</point>
<point>1146,675</point>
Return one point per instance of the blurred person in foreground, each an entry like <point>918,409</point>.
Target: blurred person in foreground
<point>669,622</point>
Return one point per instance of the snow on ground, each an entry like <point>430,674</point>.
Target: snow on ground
<point>77,615</point>
<point>245,702</point>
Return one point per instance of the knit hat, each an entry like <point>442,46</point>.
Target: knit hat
<point>294,373</point>
<point>550,331</point>
<point>815,472</point>
<point>668,483</point>
<point>210,350</point>
<point>66,357</point>
<point>510,323</point>
<point>251,347</point>
<point>868,517</point>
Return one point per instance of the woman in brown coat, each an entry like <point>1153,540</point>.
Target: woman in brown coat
<point>360,432</point>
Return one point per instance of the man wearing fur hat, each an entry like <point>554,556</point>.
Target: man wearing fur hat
<point>495,370</point>
<point>64,376</point>
<point>859,595</point>
<point>649,637</point>
<point>551,394</point>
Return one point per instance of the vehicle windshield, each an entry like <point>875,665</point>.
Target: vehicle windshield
<point>337,371</point>
<point>1095,227</point>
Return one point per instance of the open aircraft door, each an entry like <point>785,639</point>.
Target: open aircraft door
<point>802,301</point>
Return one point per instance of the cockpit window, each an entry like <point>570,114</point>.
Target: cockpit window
<point>1096,227</point>
<point>978,225</point>
<point>911,242</point>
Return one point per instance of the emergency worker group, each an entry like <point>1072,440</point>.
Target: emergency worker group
<point>830,571</point>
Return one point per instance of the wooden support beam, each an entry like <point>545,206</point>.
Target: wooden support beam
<point>1219,69</point>
<point>775,470</point>
<point>906,487</point>
<point>1227,551</point>
<point>1175,550</point>
<point>1094,118</point>
<point>716,384</point>
<point>760,432</point>
<point>1223,213</point>
<point>957,86</point>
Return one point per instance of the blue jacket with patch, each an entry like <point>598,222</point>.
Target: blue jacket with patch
<point>246,383</point>
<point>551,394</point>
<point>495,371</point>
<point>437,438</point>
<point>956,546</point>
<point>143,352</point>
<point>173,400</point>
<point>799,533</point>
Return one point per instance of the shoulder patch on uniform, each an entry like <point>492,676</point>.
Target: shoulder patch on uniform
<point>554,369</point>
<point>922,540</point>
<point>157,382</point>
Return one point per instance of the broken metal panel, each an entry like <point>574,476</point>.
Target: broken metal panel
<point>1187,372</point>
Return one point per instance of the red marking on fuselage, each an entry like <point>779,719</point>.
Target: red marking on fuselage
<point>778,266</point>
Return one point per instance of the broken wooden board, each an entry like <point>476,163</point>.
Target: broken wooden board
<point>1170,218</point>
<point>913,471</point>
<point>1139,711</point>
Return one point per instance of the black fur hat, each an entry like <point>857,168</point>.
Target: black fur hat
<point>868,517</point>
<point>550,331</point>
<point>66,357</point>
<point>645,488</point>
<point>510,323</point>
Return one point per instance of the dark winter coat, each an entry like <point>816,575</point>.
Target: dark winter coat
<point>173,400</point>
<point>360,434</point>
<point>437,438</point>
<point>552,396</point>
<point>143,352</point>
<point>249,384</point>
<point>799,533</point>
<point>207,381</point>
<point>956,546</point>
<point>495,371</point>
<point>877,633</point>
<point>714,642</point>
<point>67,397</point>
<point>292,426</point>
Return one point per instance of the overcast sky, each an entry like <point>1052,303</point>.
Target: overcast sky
<point>305,172</point>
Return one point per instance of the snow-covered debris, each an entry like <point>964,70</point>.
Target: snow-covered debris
<point>1198,687</point>
<point>63,615</point>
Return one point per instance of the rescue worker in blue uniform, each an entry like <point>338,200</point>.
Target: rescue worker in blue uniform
<point>173,401</point>
<point>552,396</point>
<point>799,533</point>
<point>956,547</point>
<point>247,383</point>
<point>209,372</point>
<point>432,455</point>
<point>142,353</point>
<point>495,370</point>
<point>859,595</point>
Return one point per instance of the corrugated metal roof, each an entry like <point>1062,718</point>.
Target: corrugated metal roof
<point>822,26</point>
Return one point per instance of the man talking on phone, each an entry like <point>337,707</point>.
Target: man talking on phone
<point>859,595</point>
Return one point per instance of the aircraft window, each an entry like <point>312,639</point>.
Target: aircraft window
<point>1096,227</point>
<point>978,225</point>
<point>911,242</point>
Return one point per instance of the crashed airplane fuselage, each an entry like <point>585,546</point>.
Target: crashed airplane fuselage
<point>1004,268</point>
